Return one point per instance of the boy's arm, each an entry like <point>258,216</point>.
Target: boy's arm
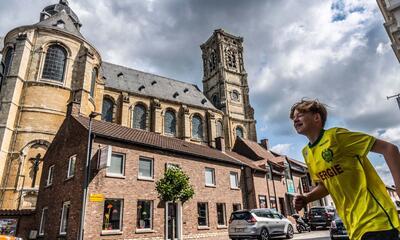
<point>392,157</point>
<point>300,201</point>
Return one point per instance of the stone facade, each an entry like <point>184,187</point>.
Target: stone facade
<point>391,13</point>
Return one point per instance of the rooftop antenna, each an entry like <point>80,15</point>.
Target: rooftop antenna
<point>397,96</point>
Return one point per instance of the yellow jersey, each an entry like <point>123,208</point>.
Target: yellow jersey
<point>339,160</point>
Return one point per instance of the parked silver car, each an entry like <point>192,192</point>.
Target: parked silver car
<point>262,223</point>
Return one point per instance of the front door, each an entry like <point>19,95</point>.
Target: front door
<point>173,221</point>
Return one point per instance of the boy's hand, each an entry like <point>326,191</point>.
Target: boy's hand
<point>300,201</point>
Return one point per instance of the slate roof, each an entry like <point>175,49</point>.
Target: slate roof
<point>153,140</point>
<point>51,23</point>
<point>147,84</point>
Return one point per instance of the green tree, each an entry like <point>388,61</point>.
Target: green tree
<point>174,186</point>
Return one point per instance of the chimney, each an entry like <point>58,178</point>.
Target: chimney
<point>220,143</point>
<point>265,143</point>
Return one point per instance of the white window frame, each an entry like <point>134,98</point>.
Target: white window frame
<point>42,221</point>
<point>151,168</point>
<point>151,214</point>
<point>213,177</point>
<point>65,205</point>
<point>50,175</point>
<point>71,159</point>
<point>110,174</point>
<point>236,180</point>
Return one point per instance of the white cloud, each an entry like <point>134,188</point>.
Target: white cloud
<point>283,149</point>
<point>384,173</point>
<point>390,135</point>
<point>383,48</point>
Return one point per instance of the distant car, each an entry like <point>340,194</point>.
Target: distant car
<point>320,217</point>
<point>338,230</point>
<point>262,223</point>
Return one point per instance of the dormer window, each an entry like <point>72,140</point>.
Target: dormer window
<point>153,82</point>
<point>120,74</point>
<point>186,90</point>
<point>176,94</point>
<point>60,24</point>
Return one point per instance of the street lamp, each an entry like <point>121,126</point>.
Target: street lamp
<point>87,175</point>
<point>397,96</point>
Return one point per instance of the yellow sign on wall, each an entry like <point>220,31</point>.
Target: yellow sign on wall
<point>99,197</point>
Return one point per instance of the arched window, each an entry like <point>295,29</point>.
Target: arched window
<point>139,117</point>
<point>170,122</point>
<point>93,81</point>
<point>54,64</point>
<point>197,127</point>
<point>108,109</point>
<point>239,132</point>
<point>7,61</point>
<point>220,130</point>
<point>215,100</point>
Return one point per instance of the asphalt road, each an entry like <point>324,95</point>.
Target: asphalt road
<point>313,235</point>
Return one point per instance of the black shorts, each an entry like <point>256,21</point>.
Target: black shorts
<point>382,235</point>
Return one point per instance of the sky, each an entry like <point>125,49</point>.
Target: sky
<point>335,51</point>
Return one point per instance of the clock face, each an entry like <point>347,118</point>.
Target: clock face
<point>235,96</point>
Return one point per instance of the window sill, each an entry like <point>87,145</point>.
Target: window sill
<point>222,227</point>
<point>211,186</point>
<point>111,232</point>
<point>49,185</point>
<point>147,230</point>
<point>69,178</point>
<point>111,175</point>
<point>146,179</point>
<point>203,227</point>
<point>235,188</point>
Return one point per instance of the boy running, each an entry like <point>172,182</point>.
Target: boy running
<point>337,162</point>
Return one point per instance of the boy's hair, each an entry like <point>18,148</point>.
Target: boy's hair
<point>313,106</point>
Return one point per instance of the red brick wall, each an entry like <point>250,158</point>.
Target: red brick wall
<point>65,145</point>
<point>131,189</point>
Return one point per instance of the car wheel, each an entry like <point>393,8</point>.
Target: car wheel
<point>264,234</point>
<point>289,234</point>
<point>299,229</point>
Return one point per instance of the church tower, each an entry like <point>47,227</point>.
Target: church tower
<point>225,85</point>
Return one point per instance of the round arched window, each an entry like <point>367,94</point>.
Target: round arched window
<point>220,131</point>
<point>108,109</point>
<point>239,132</point>
<point>139,117</point>
<point>170,122</point>
<point>197,127</point>
<point>54,64</point>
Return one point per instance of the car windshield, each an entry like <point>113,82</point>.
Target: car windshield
<point>318,210</point>
<point>240,215</point>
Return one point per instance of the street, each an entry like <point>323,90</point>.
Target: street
<point>322,234</point>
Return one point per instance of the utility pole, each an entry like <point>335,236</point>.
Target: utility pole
<point>397,96</point>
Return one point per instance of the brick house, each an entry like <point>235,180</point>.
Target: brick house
<point>138,160</point>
